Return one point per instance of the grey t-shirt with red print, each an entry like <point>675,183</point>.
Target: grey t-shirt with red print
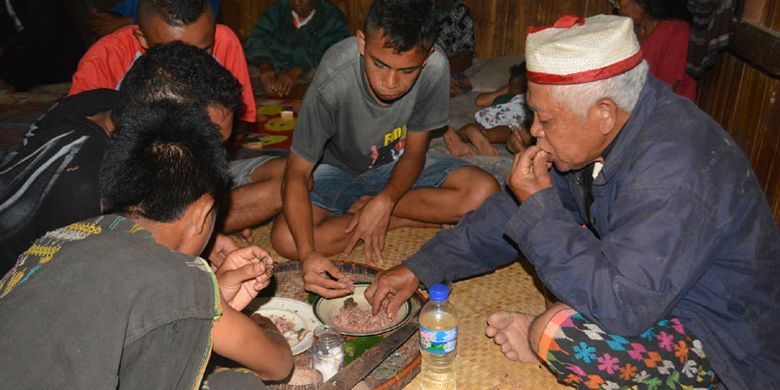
<point>341,124</point>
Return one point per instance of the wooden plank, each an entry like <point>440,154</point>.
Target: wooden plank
<point>751,93</point>
<point>745,102</point>
<point>755,11</point>
<point>484,18</point>
<point>515,29</point>
<point>757,46</point>
<point>770,145</point>
<point>500,26</point>
<point>362,366</point>
<point>595,7</point>
<point>241,15</point>
<point>772,15</point>
<point>358,9</point>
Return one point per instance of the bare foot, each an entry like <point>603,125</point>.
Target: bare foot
<point>481,142</point>
<point>519,140</point>
<point>455,145</point>
<point>510,331</point>
<point>246,236</point>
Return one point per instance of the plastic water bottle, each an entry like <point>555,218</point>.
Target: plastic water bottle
<point>438,340</point>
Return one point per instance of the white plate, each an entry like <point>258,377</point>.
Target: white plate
<point>327,309</point>
<point>297,312</point>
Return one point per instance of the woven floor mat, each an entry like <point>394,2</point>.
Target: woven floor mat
<point>480,364</point>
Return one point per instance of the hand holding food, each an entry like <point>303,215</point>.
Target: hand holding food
<point>243,274</point>
<point>390,289</point>
<point>319,274</point>
<point>530,173</point>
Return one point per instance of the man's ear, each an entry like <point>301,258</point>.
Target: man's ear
<point>607,115</point>
<point>139,35</point>
<point>361,37</point>
<point>199,214</point>
<point>427,56</point>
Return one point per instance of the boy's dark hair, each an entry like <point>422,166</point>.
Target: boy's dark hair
<point>163,157</point>
<point>180,72</point>
<point>175,13</point>
<point>405,23</point>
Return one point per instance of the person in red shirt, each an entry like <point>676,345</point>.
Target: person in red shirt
<point>256,181</point>
<point>663,34</point>
<point>106,62</point>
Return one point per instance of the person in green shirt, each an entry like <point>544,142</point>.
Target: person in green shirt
<point>289,40</point>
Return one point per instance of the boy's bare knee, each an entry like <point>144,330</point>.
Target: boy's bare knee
<point>282,240</point>
<point>541,322</point>
<point>271,170</point>
<point>479,186</point>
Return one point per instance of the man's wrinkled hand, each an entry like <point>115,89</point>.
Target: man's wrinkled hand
<point>530,173</point>
<point>243,274</point>
<point>319,274</point>
<point>390,289</point>
<point>370,225</point>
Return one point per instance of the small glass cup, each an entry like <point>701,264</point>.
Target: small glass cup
<point>327,352</point>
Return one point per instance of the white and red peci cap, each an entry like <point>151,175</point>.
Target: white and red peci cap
<point>578,50</point>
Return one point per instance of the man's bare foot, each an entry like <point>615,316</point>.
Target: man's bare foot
<point>481,142</point>
<point>246,236</point>
<point>510,331</point>
<point>455,145</point>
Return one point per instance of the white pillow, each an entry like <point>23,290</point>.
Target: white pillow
<point>487,75</point>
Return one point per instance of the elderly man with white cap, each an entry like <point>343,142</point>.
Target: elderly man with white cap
<point>638,212</point>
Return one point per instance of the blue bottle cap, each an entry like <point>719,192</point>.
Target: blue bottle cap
<point>439,292</point>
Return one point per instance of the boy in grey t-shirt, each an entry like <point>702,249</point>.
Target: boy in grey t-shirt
<point>358,163</point>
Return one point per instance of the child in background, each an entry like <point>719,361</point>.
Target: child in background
<point>503,120</point>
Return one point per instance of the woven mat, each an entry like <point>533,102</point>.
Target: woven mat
<point>480,364</point>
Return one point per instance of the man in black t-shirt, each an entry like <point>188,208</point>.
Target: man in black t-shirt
<point>49,179</point>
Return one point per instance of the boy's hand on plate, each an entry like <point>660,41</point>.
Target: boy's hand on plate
<point>319,274</point>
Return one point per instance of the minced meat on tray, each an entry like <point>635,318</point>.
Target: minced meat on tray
<point>351,318</point>
<point>287,329</point>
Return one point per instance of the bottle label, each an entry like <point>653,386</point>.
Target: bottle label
<point>438,341</point>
